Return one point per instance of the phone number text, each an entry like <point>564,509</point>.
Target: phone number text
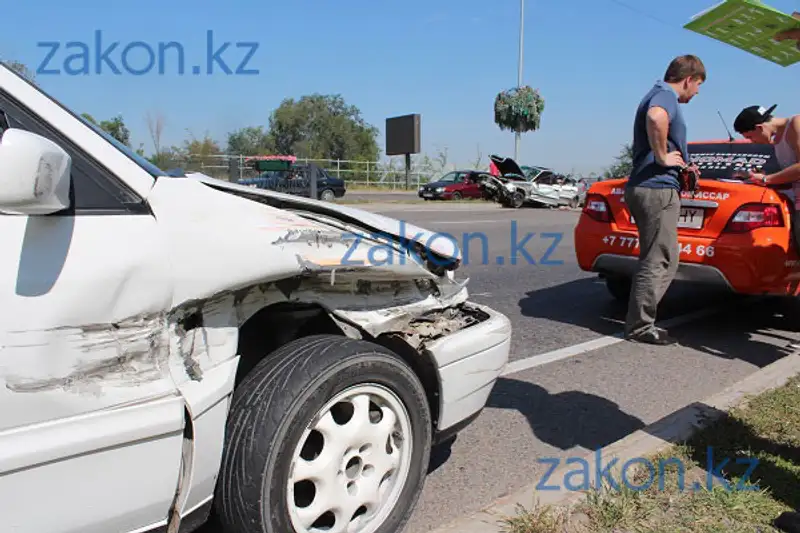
<point>621,241</point>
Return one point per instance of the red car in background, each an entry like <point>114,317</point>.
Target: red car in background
<point>455,186</point>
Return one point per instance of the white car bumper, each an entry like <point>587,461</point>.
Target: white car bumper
<point>469,362</point>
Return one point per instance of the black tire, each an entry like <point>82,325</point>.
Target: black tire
<point>271,410</point>
<point>514,201</point>
<point>456,196</point>
<point>619,287</point>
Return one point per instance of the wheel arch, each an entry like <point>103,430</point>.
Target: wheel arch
<point>288,321</point>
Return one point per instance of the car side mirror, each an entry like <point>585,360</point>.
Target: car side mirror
<point>34,174</point>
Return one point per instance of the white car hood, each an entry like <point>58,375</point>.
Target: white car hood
<point>441,244</point>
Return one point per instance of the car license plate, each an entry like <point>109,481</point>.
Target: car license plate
<point>690,217</point>
<point>427,194</point>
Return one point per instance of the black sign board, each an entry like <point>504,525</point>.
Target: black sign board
<point>403,135</point>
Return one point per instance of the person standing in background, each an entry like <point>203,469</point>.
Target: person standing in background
<point>758,125</point>
<point>652,192</point>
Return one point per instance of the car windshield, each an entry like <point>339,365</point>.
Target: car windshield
<point>152,169</point>
<point>722,160</point>
<point>532,172</point>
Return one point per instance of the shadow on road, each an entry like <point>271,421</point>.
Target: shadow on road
<point>565,419</point>
<point>440,454</point>
<point>731,334</point>
<point>586,303</point>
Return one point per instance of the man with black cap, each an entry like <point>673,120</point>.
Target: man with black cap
<point>757,124</point>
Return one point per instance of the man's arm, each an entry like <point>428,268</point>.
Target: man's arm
<point>657,129</point>
<point>662,109</point>
<point>792,173</point>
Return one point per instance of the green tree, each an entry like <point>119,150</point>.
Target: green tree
<point>115,127</point>
<point>623,163</point>
<point>250,141</point>
<point>21,69</point>
<point>322,127</point>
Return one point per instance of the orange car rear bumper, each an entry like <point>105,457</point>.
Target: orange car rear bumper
<point>759,262</point>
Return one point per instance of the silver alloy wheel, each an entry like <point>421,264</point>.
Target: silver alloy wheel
<point>351,463</point>
<point>327,195</point>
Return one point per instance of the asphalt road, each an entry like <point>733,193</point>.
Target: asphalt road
<point>572,386</point>
<point>590,398</point>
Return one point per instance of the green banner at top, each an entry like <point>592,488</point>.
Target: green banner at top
<point>751,26</point>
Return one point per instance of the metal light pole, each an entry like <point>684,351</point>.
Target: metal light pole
<point>519,67</point>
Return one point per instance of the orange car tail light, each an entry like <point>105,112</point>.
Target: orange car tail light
<point>597,208</point>
<point>754,216</point>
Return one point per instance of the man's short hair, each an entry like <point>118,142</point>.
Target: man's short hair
<point>686,66</point>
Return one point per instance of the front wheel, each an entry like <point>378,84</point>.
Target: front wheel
<point>516,200</point>
<point>327,433</point>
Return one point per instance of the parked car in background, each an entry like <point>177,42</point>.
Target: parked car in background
<point>537,185</point>
<point>171,345</point>
<point>287,176</point>
<point>554,190</point>
<point>732,234</point>
<point>455,186</point>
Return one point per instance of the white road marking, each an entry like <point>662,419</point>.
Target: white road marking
<point>588,346</point>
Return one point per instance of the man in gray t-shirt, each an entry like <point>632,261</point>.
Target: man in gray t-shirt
<point>652,192</point>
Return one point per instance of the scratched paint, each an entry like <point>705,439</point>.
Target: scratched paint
<point>127,353</point>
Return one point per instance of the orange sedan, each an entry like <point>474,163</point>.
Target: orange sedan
<point>731,233</point>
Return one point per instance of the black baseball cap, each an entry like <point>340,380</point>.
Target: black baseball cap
<point>752,116</point>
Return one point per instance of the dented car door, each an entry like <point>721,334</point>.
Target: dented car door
<point>91,421</point>
<point>544,189</point>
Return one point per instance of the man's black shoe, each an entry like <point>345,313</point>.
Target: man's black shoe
<point>789,522</point>
<point>656,336</point>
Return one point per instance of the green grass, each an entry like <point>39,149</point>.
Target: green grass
<point>767,427</point>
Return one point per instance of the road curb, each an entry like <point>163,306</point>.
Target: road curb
<point>676,427</point>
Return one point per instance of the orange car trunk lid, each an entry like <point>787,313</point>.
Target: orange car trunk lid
<point>708,210</point>
<point>705,212</point>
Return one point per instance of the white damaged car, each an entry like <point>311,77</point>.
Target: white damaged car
<point>171,346</point>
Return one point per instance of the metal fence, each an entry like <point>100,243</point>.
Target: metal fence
<point>357,174</point>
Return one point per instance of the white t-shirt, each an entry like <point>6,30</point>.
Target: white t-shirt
<point>786,157</point>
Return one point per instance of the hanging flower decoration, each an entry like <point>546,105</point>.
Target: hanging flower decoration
<point>519,109</point>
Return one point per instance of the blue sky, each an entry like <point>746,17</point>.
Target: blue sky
<point>446,59</point>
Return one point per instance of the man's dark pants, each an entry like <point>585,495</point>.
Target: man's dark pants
<point>656,212</point>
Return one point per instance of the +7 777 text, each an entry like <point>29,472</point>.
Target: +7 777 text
<point>686,248</point>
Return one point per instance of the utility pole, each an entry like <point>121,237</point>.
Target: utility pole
<point>519,68</point>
